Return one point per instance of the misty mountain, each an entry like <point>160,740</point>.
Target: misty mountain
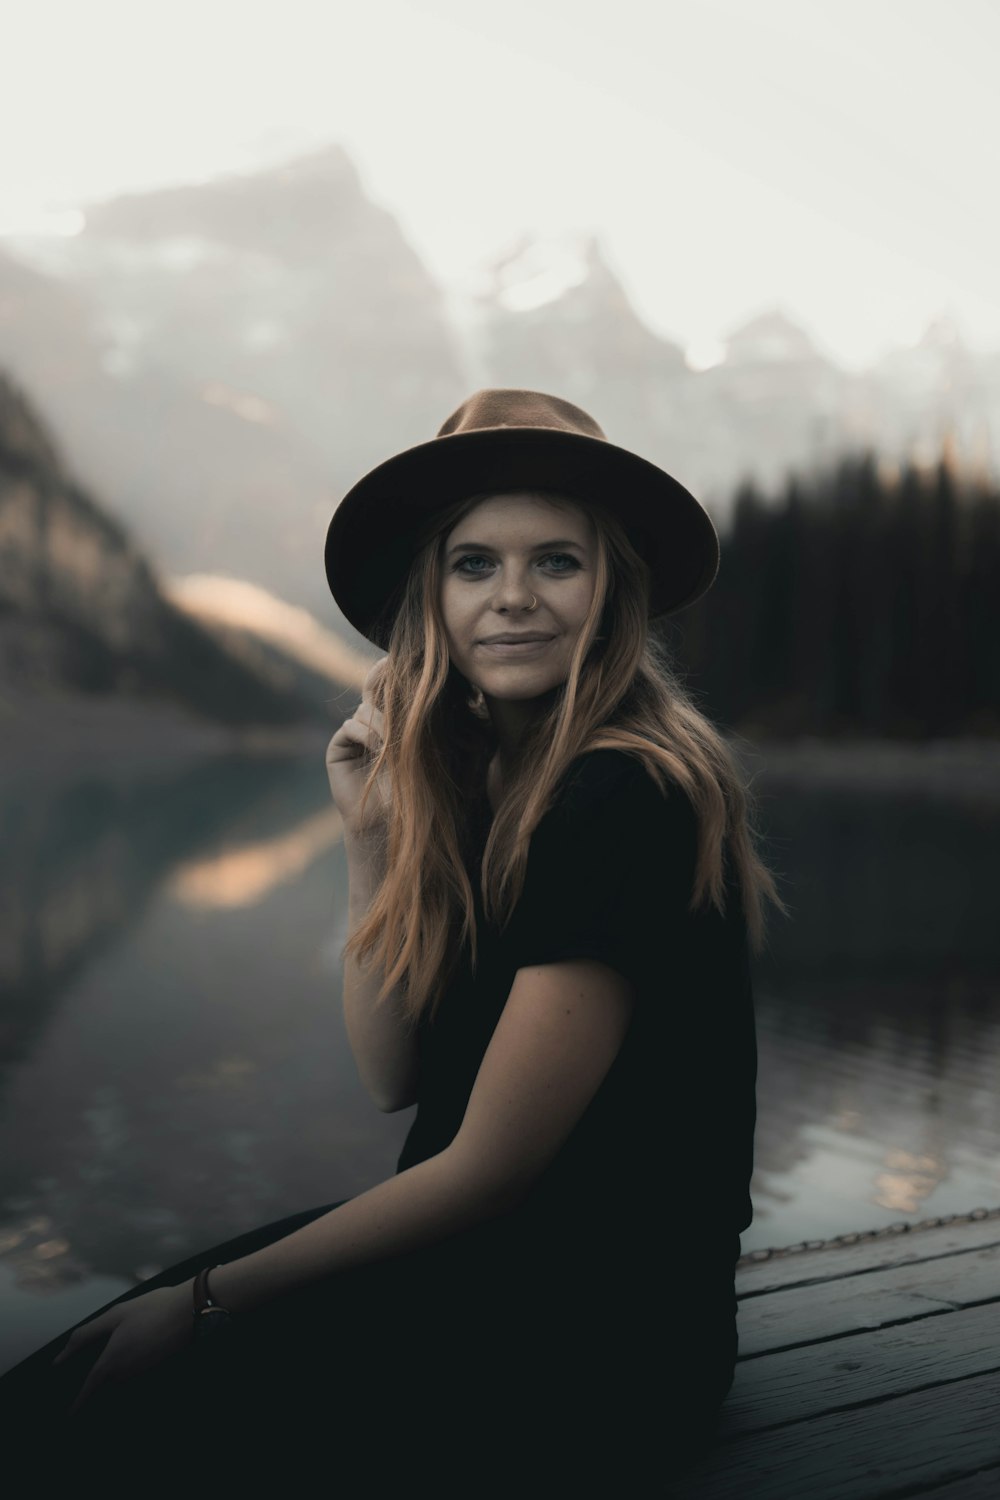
<point>253,344</point>
<point>82,612</point>
<point>283,640</point>
<point>552,313</point>
<point>289,284</point>
<point>554,317</point>
<point>224,359</point>
<point>193,471</point>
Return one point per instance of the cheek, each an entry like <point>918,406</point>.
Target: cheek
<point>449,605</point>
<point>455,613</point>
<point>579,604</point>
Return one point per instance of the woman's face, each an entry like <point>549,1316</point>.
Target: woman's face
<point>509,549</point>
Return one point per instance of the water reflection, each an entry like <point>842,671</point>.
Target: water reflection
<point>244,876</point>
<point>174,1068</point>
<point>878,1011</point>
<point>79,860</point>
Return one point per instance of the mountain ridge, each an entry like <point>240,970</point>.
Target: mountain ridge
<point>84,615</point>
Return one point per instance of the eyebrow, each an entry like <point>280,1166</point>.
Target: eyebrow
<point>560,541</point>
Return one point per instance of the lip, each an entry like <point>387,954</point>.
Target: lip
<point>517,648</point>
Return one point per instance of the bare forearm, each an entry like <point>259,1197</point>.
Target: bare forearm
<point>381,1036</point>
<point>406,1212</point>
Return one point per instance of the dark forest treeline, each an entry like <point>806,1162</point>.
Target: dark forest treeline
<point>857,604</point>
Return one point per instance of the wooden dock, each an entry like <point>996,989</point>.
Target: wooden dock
<point>869,1367</point>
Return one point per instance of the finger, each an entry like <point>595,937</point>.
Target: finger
<point>350,737</point>
<point>371,716</point>
<point>92,1383</point>
<point>374,672</point>
<point>353,735</point>
<point>78,1339</point>
<point>372,678</point>
<point>344,737</point>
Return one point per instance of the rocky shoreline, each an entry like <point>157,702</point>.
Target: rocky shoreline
<point>61,734</point>
<point>964,770</point>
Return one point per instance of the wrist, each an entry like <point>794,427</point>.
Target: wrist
<point>208,1311</point>
<point>365,845</point>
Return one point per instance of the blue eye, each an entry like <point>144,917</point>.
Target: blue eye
<point>478,557</point>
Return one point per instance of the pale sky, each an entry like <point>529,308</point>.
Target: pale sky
<point>833,157</point>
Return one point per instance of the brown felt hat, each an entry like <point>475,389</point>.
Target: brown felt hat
<point>501,440</point>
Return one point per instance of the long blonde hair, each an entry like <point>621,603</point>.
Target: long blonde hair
<point>622,691</point>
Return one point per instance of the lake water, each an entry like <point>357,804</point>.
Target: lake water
<point>174,1068</point>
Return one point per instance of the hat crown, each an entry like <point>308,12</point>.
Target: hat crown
<point>517,408</point>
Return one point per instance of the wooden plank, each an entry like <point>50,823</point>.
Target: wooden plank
<point>985,1485</point>
<point>810,1266</point>
<point>806,1314</point>
<point>890,1448</point>
<point>785,1319</point>
<point>809,1381</point>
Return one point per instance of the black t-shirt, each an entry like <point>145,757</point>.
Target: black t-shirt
<point>656,1173</point>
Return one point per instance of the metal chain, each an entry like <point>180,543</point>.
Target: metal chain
<point>752,1256</point>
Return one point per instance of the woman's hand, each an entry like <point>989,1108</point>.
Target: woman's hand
<point>143,1331</point>
<point>346,767</point>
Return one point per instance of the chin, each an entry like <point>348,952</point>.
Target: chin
<point>514,688</point>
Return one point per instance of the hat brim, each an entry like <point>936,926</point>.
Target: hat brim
<point>370,542</point>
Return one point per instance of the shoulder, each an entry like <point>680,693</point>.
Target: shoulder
<point>618,786</point>
<point>598,775</point>
<point>614,839</point>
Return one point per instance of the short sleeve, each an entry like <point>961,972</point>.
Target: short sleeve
<point>610,870</point>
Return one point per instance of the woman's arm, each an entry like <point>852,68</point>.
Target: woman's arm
<point>383,1043</point>
<point>558,1035</point>
<point>382,1039</point>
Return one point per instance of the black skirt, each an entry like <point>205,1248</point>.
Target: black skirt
<point>482,1361</point>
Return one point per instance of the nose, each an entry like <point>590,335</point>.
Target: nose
<point>513,593</point>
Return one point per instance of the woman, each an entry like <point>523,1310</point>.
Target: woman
<point>553,894</point>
